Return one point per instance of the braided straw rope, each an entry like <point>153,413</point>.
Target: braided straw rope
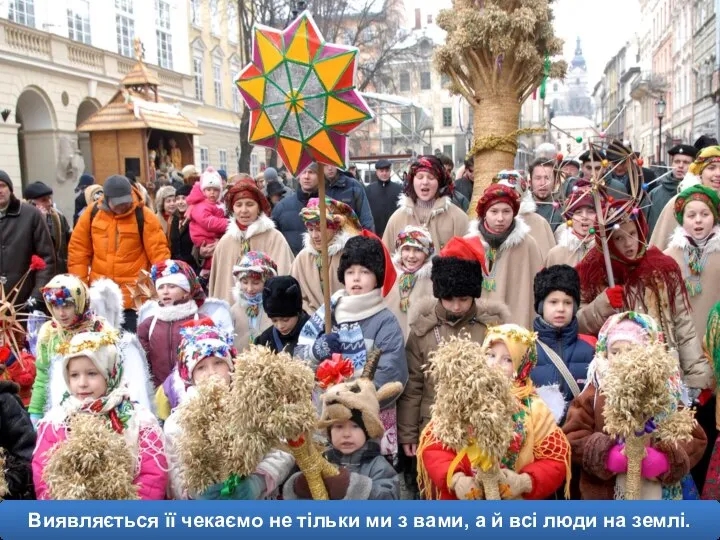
<point>503,143</point>
<point>490,480</point>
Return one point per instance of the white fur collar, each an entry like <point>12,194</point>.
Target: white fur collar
<point>336,245</point>
<point>554,399</point>
<point>408,206</point>
<point>679,240</point>
<point>519,233</point>
<point>259,226</point>
<point>527,204</point>
<point>568,239</point>
<point>177,312</point>
<point>424,272</point>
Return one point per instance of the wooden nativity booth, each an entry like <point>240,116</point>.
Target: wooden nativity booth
<point>137,132</point>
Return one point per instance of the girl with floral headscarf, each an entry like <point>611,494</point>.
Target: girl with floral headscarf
<point>92,371</point>
<point>695,246</point>
<point>68,301</point>
<point>600,456</point>
<point>537,461</point>
<point>706,171</point>
<point>427,203</point>
<point>250,273</point>
<point>646,281</point>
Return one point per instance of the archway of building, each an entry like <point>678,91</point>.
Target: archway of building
<point>87,108</point>
<point>36,136</point>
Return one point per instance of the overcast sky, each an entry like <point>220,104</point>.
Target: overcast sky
<point>603,26</point>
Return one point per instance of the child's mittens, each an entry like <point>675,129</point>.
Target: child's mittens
<point>466,487</point>
<point>336,486</point>
<point>617,462</point>
<point>615,296</point>
<point>325,346</point>
<point>655,464</point>
<point>517,483</point>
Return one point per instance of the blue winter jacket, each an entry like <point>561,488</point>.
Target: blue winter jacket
<point>352,193</point>
<point>286,216</point>
<point>576,353</point>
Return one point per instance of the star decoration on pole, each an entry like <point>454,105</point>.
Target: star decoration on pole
<point>301,93</point>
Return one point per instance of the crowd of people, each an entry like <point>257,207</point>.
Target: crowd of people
<point>551,294</point>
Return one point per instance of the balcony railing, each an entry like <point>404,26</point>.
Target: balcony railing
<point>61,51</point>
<point>649,85</point>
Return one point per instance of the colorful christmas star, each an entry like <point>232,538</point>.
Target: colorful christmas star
<point>301,94</point>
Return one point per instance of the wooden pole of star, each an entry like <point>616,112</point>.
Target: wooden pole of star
<point>324,259</point>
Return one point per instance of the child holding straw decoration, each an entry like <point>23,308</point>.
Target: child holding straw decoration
<point>509,420</point>
<point>17,442</point>
<point>206,352</point>
<point>92,370</point>
<point>646,281</point>
<point>634,392</point>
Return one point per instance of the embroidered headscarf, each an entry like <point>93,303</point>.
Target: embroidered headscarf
<point>435,167</point>
<point>498,193</point>
<point>700,193</point>
<point>521,345</point>
<point>511,178</point>
<point>708,155</point>
<point>338,214</point>
<point>417,237</point>
<point>67,289</point>
<point>201,339</point>
<point>181,274</point>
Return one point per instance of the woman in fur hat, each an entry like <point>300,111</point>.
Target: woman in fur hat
<point>695,246</point>
<point>207,351</point>
<point>250,274</point>
<point>92,371</point>
<point>512,255</point>
<point>165,207</point>
<point>68,301</point>
<point>427,203</point>
<point>540,228</point>
<point>342,223</point>
<point>250,229</point>
<point>454,310</point>
<point>598,454</point>
<point>706,167</point>
<point>536,463</point>
<point>575,239</point>
<point>361,322</point>
<point>282,302</point>
<point>17,442</point>
<point>647,281</point>
<point>413,265</point>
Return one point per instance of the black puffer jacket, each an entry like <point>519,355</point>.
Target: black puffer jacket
<point>17,439</point>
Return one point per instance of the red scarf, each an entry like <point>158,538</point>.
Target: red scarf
<point>650,269</point>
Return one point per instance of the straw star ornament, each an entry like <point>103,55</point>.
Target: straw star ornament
<point>301,93</point>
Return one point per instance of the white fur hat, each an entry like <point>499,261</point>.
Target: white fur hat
<point>210,178</point>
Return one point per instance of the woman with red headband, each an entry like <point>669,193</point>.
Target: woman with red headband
<point>427,203</point>
<point>513,257</point>
<point>647,281</point>
<point>249,229</point>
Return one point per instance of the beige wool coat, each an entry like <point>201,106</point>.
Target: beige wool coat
<point>517,261</point>
<point>446,220</point>
<point>428,327</point>
<point>307,272</point>
<point>244,335</point>
<point>665,226</point>
<point>570,249</point>
<point>678,328</point>
<point>423,289</point>
<point>540,229</point>
<point>704,301</point>
<point>260,236</point>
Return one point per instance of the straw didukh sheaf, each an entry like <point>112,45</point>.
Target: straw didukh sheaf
<point>93,463</point>
<point>637,389</point>
<point>3,482</point>
<point>473,406</point>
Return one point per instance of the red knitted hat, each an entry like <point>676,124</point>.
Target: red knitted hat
<point>498,193</point>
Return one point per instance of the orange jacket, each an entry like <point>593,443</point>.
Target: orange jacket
<point>115,250</point>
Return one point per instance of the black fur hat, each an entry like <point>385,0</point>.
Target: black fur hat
<point>367,252</point>
<point>282,297</point>
<point>453,276</point>
<point>559,277</point>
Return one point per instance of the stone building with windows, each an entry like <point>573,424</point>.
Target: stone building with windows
<point>63,59</point>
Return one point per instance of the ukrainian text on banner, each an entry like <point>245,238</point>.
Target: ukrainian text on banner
<point>378,520</point>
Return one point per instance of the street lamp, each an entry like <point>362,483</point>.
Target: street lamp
<point>660,111</point>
